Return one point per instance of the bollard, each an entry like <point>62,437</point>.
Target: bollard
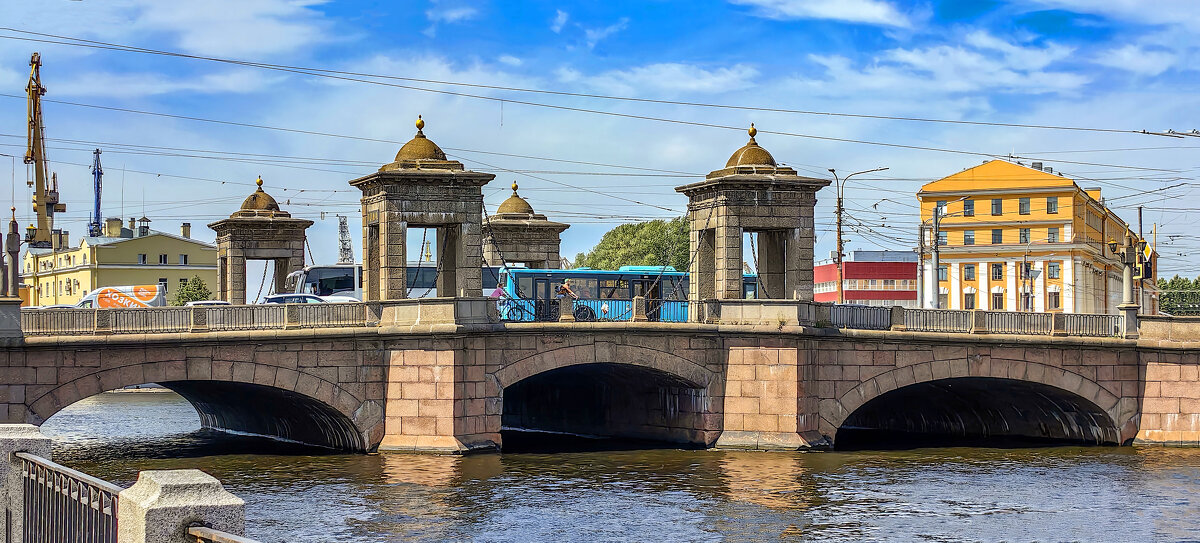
<point>163,504</point>
<point>15,438</point>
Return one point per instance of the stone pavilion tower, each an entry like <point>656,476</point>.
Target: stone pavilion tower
<point>423,189</point>
<point>752,194</point>
<point>257,231</point>
<point>517,235</point>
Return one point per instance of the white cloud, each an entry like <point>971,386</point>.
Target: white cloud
<point>1137,59</point>
<point>126,85</point>
<point>1030,58</point>
<point>509,60</point>
<point>595,35</point>
<point>232,27</point>
<point>451,15</point>
<point>560,20</point>
<point>875,12</point>
<point>1157,12</point>
<point>664,77</point>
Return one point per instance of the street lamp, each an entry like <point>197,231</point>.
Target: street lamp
<point>841,184</point>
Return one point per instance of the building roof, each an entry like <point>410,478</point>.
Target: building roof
<point>996,175</point>
<point>259,203</point>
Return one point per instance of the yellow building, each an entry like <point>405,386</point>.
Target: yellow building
<point>1021,238</point>
<point>135,255</point>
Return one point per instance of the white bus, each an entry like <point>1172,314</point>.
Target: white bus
<point>340,282</point>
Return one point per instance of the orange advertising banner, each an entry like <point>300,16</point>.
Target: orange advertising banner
<point>123,297</point>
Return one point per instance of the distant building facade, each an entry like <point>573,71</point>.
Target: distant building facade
<point>1019,238</point>
<point>882,278</point>
<point>135,255</point>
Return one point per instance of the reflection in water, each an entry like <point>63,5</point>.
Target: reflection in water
<point>960,494</point>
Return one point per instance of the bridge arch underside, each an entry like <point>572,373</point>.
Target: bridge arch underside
<point>976,411</point>
<point>269,411</point>
<point>606,400</point>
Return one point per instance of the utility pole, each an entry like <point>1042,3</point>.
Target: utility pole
<point>921,266</point>
<point>841,184</point>
<point>937,264</point>
<point>96,227</point>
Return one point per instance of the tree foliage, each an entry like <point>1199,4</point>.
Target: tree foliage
<point>1179,295</point>
<point>652,243</point>
<point>193,291</point>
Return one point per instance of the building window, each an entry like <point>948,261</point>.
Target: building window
<point>1052,204</point>
<point>968,237</point>
<point>183,260</point>
<point>943,301</point>
<point>968,208</point>
<point>142,259</point>
<point>1025,268</point>
<point>163,281</point>
<point>969,300</point>
<point>1024,235</point>
<point>969,272</point>
<point>1053,270</point>
<point>1024,206</point>
<point>85,259</point>
<point>162,259</point>
<point>1053,300</point>
<point>1051,235</point>
<point>942,237</point>
<point>997,206</point>
<point>998,301</point>
<point>997,272</point>
<point>182,282</point>
<point>942,273</point>
<point>942,204</point>
<point>997,236</point>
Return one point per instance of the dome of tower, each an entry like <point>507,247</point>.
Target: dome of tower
<point>420,147</point>
<point>260,200</point>
<point>751,154</point>
<point>515,204</point>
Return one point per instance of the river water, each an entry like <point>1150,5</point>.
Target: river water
<point>951,494</point>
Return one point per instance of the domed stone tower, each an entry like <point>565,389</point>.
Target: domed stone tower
<point>752,194</point>
<point>259,230</point>
<point>517,235</point>
<point>422,188</point>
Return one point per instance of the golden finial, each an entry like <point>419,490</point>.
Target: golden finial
<point>14,212</point>
<point>420,123</point>
<point>753,131</point>
<point>259,182</point>
<point>514,185</point>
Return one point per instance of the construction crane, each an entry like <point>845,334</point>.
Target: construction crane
<point>345,248</point>
<point>96,228</point>
<point>45,194</point>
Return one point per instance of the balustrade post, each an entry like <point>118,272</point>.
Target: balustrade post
<point>291,316</point>
<point>897,319</point>
<point>199,319</point>
<point>373,312</point>
<point>639,309</point>
<point>821,316</point>
<point>10,319</point>
<point>163,504</point>
<point>103,321</point>
<point>15,438</point>
<point>979,321</point>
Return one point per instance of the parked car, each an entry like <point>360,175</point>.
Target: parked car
<point>125,297</point>
<point>58,306</point>
<point>203,303</point>
<point>292,299</point>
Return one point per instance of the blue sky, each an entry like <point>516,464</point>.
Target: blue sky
<point>1119,64</point>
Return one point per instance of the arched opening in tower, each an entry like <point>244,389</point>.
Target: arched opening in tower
<point>976,411</point>
<point>604,406</point>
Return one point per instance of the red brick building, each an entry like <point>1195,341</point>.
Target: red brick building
<point>871,278</point>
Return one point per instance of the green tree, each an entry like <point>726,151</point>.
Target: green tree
<point>652,243</point>
<point>193,291</point>
<point>1178,295</point>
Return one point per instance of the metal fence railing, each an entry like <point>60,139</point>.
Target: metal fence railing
<point>64,505</point>
<point>937,320</point>
<point>203,534</point>
<point>1093,325</point>
<point>246,317</point>
<point>57,322</point>
<point>150,320</point>
<point>1013,322</point>
<point>861,317</point>
<point>339,314</point>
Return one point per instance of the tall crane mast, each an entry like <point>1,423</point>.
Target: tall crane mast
<point>45,194</point>
<point>96,228</point>
<point>345,249</point>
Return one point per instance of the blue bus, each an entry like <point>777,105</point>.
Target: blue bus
<point>601,295</point>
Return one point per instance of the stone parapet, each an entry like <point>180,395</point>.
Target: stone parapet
<point>15,438</point>
<point>424,311</point>
<point>163,504</point>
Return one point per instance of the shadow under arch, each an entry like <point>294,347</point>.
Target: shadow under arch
<point>694,374</point>
<point>249,408</point>
<point>624,404</point>
<point>976,411</point>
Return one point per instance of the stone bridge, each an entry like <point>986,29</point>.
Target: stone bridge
<point>455,387</point>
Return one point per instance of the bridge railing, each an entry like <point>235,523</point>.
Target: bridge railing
<point>322,315</point>
<point>938,320</point>
<point>1093,325</point>
<point>1013,322</point>
<point>62,504</point>
<point>861,317</point>
<point>50,503</point>
<point>58,322</point>
<point>246,317</point>
<point>147,320</point>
